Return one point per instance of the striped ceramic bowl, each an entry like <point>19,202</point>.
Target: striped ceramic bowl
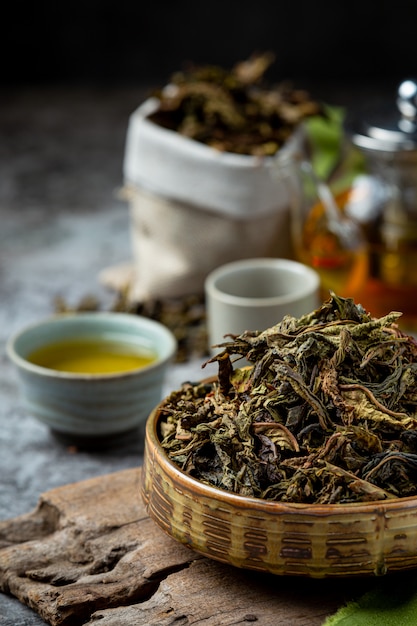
<point>318,541</point>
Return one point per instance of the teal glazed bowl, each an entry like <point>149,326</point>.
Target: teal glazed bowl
<point>92,408</point>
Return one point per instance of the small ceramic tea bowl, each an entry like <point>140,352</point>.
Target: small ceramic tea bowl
<point>105,398</point>
<point>310,540</point>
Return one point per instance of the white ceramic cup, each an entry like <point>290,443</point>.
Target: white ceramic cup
<point>255,294</point>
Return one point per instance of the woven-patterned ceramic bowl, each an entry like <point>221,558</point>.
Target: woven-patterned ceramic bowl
<point>287,539</point>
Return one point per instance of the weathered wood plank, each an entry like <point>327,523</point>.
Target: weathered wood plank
<point>89,554</point>
<point>86,546</point>
<point>210,593</point>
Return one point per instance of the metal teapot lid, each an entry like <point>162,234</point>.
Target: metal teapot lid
<point>389,129</point>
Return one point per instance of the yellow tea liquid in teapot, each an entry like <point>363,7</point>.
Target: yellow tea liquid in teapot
<point>326,239</point>
<point>342,269</point>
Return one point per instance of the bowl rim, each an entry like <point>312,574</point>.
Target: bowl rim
<point>249,502</point>
<point>311,281</point>
<point>23,364</point>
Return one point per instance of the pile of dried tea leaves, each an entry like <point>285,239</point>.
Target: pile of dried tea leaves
<point>326,413</point>
<point>234,110</point>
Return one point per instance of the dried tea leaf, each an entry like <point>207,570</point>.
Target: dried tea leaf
<point>326,413</point>
<point>234,110</point>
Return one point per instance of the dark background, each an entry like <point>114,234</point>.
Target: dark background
<point>129,42</point>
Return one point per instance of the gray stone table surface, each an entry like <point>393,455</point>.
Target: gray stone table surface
<point>61,222</point>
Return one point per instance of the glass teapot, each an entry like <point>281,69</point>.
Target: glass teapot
<point>384,202</point>
<point>363,241</point>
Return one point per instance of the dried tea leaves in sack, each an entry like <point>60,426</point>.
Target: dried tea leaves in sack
<point>200,174</point>
<point>235,110</point>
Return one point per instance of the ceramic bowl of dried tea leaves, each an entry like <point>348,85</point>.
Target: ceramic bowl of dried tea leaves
<point>304,463</point>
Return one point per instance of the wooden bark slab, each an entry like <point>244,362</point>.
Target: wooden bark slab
<point>89,554</point>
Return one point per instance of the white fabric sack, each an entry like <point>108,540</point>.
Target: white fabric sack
<point>194,208</point>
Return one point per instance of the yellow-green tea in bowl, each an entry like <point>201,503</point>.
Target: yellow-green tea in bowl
<point>92,376</point>
<point>92,356</point>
